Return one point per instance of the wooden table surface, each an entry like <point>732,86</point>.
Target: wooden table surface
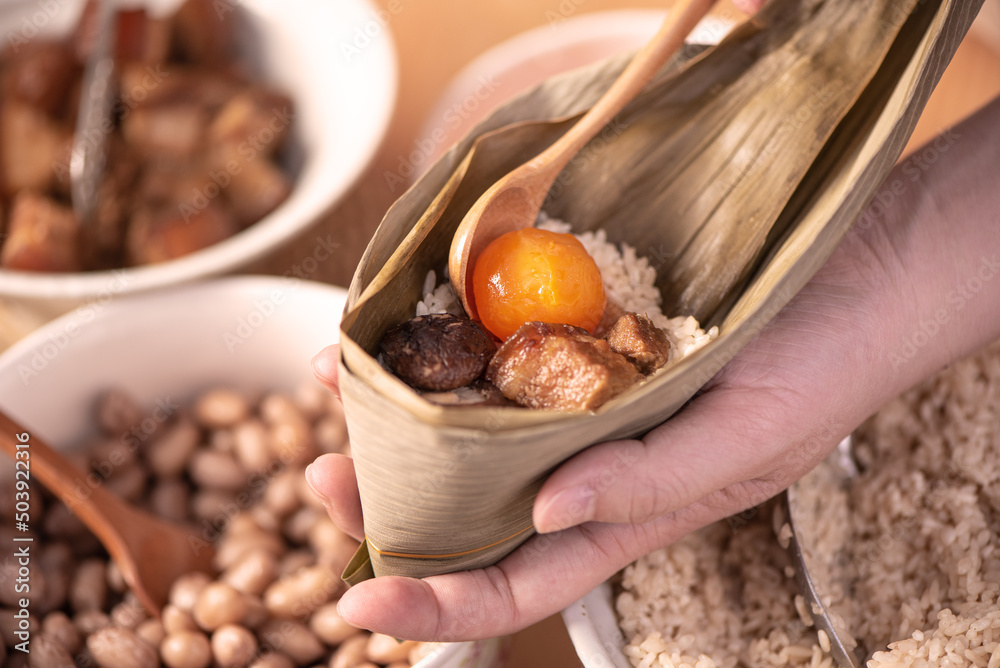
<point>434,40</point>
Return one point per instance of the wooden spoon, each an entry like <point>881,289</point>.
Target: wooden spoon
<point>150,552</point>
<point>514,201</point>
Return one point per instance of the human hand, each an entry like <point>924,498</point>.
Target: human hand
<point>844,345</point>
<point>762,422</point>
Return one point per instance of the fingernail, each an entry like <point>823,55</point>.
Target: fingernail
<point>310,474</point>
<point>567,508</point>
<point>322,367</point>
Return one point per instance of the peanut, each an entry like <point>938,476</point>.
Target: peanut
<point>115,647</point>
<point>151,631</point>
<point>218,604</point>
<point>176,620</point>
<point>88,588</point>
<point>329,626</point>
<point>48,652</point>
<point>253,572</point>
<point>386,649</point>
<point>272,604</point>
<point>168,455</point>
<point>351,653</point>
<point>233,645</point>
<point>221,408</point>
<point>57,626</point>
<point>185,590</point>
<point>301,592</point>
<point>217,470</point>
<point>250,446</point>
<point>186,649</point>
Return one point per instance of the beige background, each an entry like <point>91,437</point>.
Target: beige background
<point>437,38</point>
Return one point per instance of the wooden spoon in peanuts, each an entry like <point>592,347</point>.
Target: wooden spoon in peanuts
<point>150,552</point>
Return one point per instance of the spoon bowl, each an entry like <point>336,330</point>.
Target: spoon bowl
<point>513,202</point>
<point>150,552</point>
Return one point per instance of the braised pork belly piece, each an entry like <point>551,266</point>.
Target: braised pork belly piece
<point>559,367</point>
<point>193,153</point>
<point>453,361</point>
<point>643,343</point>
<point>41,235</point>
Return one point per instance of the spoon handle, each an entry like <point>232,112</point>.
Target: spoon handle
<point>681,20</point>
<point>150,553</point>
<point>87,161</point>
<point>63,479</point>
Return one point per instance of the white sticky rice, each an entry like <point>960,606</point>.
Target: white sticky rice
<point>908,552</point>
<point>628,280</point>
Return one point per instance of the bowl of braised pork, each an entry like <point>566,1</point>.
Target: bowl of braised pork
<point>227,130</point>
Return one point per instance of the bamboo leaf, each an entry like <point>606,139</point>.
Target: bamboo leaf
<point>736,173</point>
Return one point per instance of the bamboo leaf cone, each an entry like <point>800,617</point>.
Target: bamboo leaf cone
<point>736,173</point>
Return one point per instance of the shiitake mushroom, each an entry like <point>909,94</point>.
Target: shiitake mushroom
<point>437,352</point>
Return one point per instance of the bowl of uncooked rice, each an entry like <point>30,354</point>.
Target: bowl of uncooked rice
<point>905,554</point>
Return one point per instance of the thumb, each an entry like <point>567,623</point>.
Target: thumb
<point>715,443</point>
<point>324,366</point>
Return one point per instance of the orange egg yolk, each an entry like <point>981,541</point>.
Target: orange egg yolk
<point>534,274</point>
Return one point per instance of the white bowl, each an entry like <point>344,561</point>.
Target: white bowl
<point>527,59</point>
<point>337,61</point>
<point>254,333</point>
<point>250,332</point>
<point>592,625</point>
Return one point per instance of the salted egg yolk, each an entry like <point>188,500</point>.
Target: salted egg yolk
<point>534,274</point>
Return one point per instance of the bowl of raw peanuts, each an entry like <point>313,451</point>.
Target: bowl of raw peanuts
<point>196,403</point>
